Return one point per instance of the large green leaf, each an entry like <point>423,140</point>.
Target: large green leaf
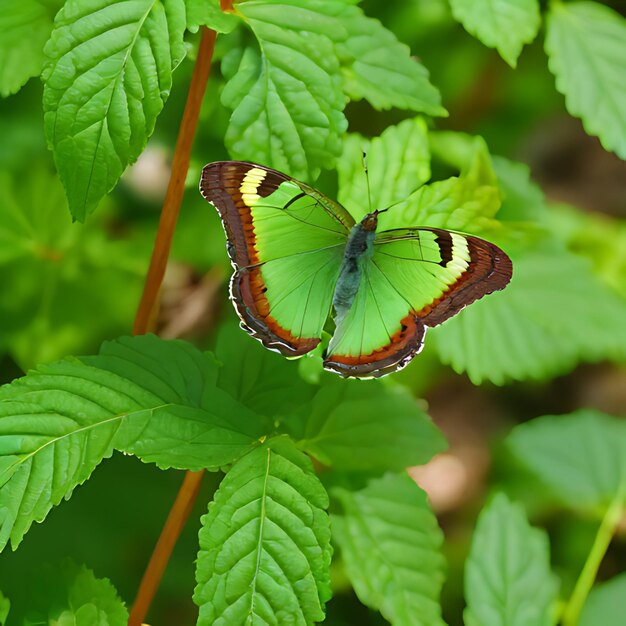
<point>390,543</point>
<point>581,457</point>
<point>605,604</point>
<point>371,426</point>
<point>265,543</point>
<point>264,381</point>
<point>108,76</point>
<point>25,26</point>
<point>143,395</point>
<point>48,264</point>
<point>554,314</point>
<point>398,162</point>
<point>502,24</point>
<point>379,68</point>
<point>586,46</point>
<point>507,575</point>
<point>285,91</point>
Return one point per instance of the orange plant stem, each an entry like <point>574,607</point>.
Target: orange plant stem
<point>146,314</point>
<point>160,556</point>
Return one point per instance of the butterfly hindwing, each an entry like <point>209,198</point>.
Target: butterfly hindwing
<point>416,278</point>
<point>286,242</point>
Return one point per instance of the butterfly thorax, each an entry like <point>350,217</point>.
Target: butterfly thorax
<point>359,249</point>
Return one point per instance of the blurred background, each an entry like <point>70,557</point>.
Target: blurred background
<point>73,285</point>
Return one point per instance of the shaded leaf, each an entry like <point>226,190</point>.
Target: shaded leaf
<point>581,456</point>
<point>502,24</point>
<point>265,543</point>
<point>264,381</point>
<point>390,543</point>
<point>605,604</point>
<point>25,26</point>
<point>285,92</point>
<point>49,264</point>
<point>5,607</point>
<point>154,398</point>
<point>586,47</point>
<point>379,68</point>
<point>371,426</point>
<point>398,163</point>
<point>108,76</point>
<point>554,314</point>
<point>508,581</point>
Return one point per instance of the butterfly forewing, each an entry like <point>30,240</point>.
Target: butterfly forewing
<point>286,243</point>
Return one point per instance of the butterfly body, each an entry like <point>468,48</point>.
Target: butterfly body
<point>298,256</point>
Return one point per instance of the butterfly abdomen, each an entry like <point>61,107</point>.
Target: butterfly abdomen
<point>359,248</point>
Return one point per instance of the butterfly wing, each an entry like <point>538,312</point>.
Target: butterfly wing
<point>286,242</point>
<point>416,278</point>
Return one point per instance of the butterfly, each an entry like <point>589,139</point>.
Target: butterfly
<point>298,254</point>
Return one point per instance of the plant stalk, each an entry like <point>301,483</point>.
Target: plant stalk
<point>573,609</point>
<point>147,311</point>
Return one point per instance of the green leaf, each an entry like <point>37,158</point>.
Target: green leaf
<point>379,68</point>
<point>71,595</point>
<point>586,47</point>
<point>508,581</point>
<point>275,120</point>
<point>108,77</point>
<point>398,163</point>
<point>143,395</point>
<point>390,543</point>
<point>265,543</point>
<point>25,26</point>
<point>554,314</point>
<point>48,264</point>
<point>208,13</point>
<point>502,24</point>
<point>264,381</point>
<point>581,457</point>
<point>605,604</point>
<point>522,199</point>
<point>5,607</point>
<point>371,426</point>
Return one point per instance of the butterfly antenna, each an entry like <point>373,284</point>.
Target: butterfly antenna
<point>367,181</point>
<point>397,202</point>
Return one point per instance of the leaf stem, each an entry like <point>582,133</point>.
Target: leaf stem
<point>148,306</point>
<point>146,312</point>
<point>160,556</point>
<point>587,577</point>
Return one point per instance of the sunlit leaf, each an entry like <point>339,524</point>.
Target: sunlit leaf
<point>553,314</point>
<point>369,426</point>
<point>581,456</point>
<point>208,13</point>
<point>390,543</point>
<point>508,581</point>
<point>586,46</point>
<point>502,24</point>
<point>154,398</point>
<point>25,26</point>
<point>398,162</point>
<point>379,68</point>
<point>605,604</point>
<point>265,543</point>
<point>108,77</point>
<point>285,91</point>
